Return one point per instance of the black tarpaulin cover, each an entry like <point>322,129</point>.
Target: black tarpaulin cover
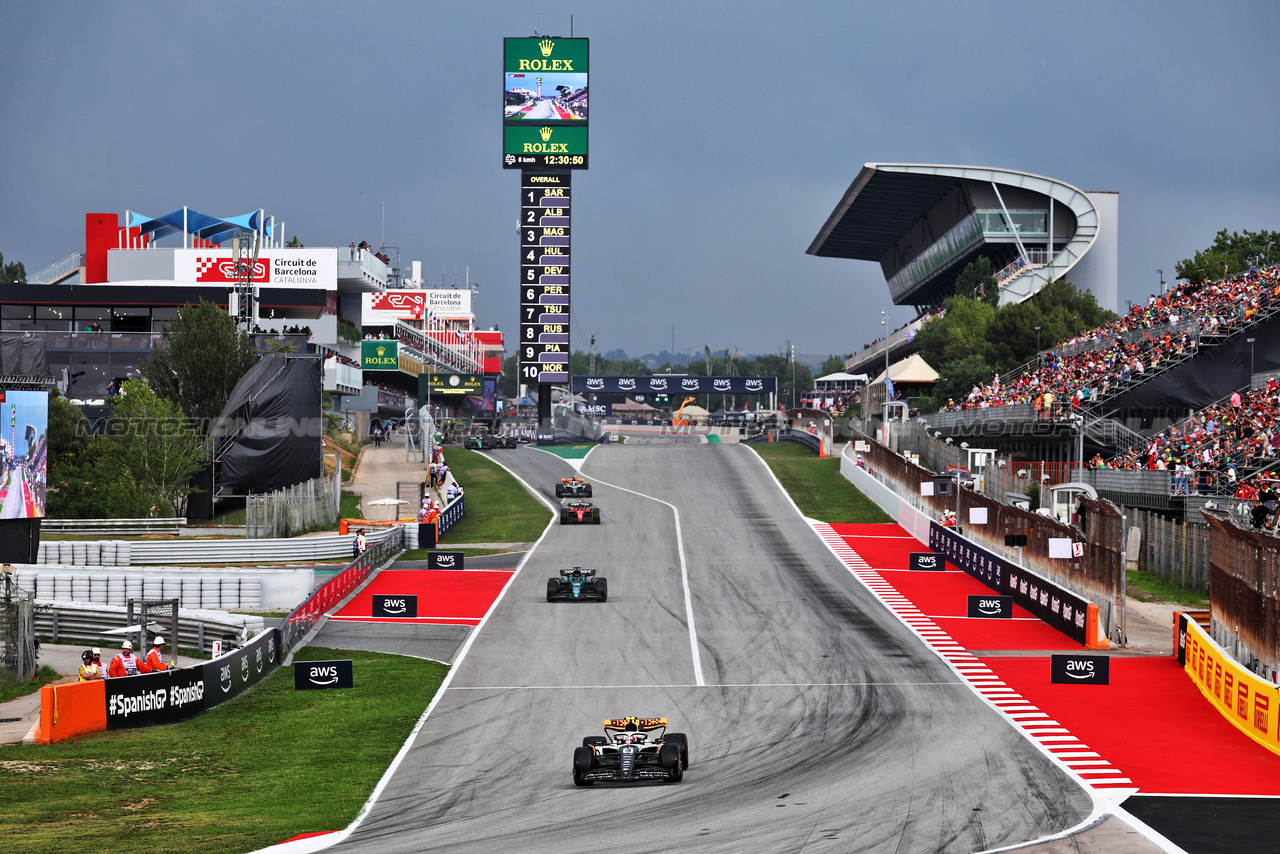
<point>20,356</point>
<point>271,429</point>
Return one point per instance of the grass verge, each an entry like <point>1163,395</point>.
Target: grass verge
<point>816,485</point>
<point>269,765</point>
<point>499,510</point>
<point>12,690</point>
<point>1165,590</point>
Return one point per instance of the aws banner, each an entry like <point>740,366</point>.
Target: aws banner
<point>234,672</point>
<point>675,385</point>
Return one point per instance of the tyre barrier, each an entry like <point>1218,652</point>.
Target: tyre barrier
<point>207,589</point>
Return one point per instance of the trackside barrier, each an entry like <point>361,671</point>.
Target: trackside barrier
<point>333,591</point>
<point>169,696</point>
<point>1250,703</point>
<point>1060,608</point>
<point>67,711</point>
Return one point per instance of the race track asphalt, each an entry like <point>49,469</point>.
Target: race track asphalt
<point>816,721</point>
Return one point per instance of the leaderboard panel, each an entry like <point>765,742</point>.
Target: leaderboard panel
<point>544,277</point>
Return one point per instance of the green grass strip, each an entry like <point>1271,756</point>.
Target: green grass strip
<point>499,510</point>
<point>266,766</point>
<point>816,485</point>
<point>1166,590</point>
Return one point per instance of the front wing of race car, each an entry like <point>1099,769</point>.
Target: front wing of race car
<point>627,763</point>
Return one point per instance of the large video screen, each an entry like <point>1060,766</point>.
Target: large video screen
<point>544,103</point>
<point>24,429</point>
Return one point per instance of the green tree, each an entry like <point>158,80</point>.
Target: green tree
<point>1230,254</point>
<point>833,365</point>
<point>151,441</point>
<point>81,485</point>
<point>202,354</point>
<point>12,272</point>
<point>294,243</point>
<point>976,282</point>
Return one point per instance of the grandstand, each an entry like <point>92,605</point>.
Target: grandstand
<point>924,223</point>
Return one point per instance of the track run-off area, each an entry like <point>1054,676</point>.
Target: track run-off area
<point>825,712</point>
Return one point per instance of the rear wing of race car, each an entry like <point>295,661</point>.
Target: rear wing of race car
<point>585,573</point>
<point>640,724</point>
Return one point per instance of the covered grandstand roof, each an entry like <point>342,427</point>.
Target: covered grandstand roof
<point>923,222</point>
<point>878,207</point>
<point>211,228</point>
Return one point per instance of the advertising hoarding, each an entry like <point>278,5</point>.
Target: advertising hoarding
<point>379,355</point>
<point>276,267</point>
<point>675,385</point>
<point>386,307</point>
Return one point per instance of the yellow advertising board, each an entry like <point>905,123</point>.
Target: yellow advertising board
<point>1249,702</point>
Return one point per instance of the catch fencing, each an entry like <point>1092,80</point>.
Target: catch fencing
<point>307,506</point>
<point>17,630</point>
<point>1243,589</point>
<point>1173,550</point>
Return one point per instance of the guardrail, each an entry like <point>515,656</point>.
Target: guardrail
<point>121,527</point>
<point>207,552</point>
<point>305,616</point>
<point>75,621</point>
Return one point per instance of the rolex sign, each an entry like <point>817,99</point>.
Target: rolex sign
<point>379,355</point>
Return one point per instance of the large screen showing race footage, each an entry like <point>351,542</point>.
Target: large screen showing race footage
<point>544,103</point>
<point>24,429</point>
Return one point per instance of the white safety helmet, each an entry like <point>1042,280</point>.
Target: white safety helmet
<point>159,640</point>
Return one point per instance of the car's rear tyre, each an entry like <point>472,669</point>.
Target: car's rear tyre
<point>597,740</point>
<point>559,491</point>
<point>587,493</point>
<point>602,587</point>
<point>595,517</point>
<point>583,759</point>
<point>682,741</point>
<point>553,587</point>
<point>564,518</point>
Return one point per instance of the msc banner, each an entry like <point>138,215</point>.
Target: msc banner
<point>676,385</point>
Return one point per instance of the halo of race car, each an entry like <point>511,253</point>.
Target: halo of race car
<point>632,750</point>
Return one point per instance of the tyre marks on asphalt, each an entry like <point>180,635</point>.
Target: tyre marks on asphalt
<point>1095,771</point>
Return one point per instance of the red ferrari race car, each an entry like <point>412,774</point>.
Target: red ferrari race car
<point>580,513</point>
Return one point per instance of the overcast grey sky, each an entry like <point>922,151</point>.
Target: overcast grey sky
<point>722,136</point>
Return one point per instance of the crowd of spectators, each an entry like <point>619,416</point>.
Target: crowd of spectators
<point>284,330</point>
<point>1211,451</point>
<point>365,247</point>
<point>1070,376</point>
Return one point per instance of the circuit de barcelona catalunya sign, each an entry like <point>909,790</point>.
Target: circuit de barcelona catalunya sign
<point>675,385</point>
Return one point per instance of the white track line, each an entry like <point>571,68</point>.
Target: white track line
<point>684,578</point>
<point>320,843</point>
<point>1051,737</point>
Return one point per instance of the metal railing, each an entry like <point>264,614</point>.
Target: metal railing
<point>57,269</point>
<point>305,616</point>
